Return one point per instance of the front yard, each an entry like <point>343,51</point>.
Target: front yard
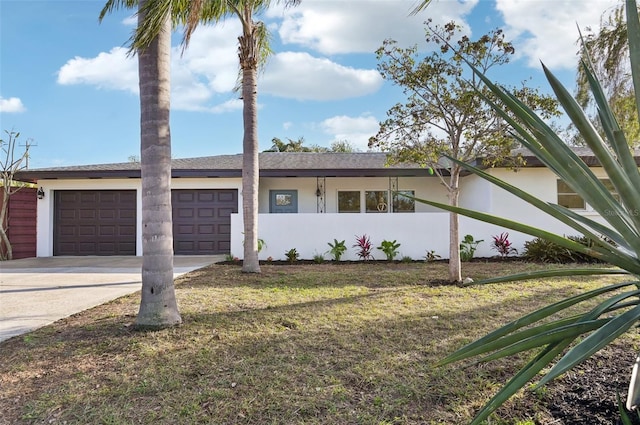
<point>302,344</point>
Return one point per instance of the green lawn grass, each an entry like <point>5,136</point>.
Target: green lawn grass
<point>301,344</point>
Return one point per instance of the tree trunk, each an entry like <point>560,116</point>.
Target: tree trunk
<point>455,273</point>
<point>158,306</point>
<point>250,165</point>
<point>6,251</point>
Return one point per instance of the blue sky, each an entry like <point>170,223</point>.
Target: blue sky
<point>67,83</point>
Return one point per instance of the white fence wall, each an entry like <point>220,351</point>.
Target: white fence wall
<point>417,233</point>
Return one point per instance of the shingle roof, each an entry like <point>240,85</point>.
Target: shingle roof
<point>272,164</point>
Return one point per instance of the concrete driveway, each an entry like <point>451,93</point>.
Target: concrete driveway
<point>37,291</point>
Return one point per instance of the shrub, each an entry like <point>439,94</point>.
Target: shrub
<point>390,249</point>
<point>318,258</point>
<point>431,256</point>
<point>503,245</point>
<point>292,255</point>
<point>544,251</point>
<point>337,249</point>
<point>406,259</point>
<point>363,243</point>
<point>468,247</point>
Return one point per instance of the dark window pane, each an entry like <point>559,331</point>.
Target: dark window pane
<point>568,198</point>
<point>403,204</point>
<point>349,202</point>
<point>376,201</point>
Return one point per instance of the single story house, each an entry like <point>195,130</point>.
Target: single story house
<point>306,200</point>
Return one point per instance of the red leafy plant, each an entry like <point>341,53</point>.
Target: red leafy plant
<point>363,243</point>
<point>502,244</point>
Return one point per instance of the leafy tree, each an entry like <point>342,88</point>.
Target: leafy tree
<point>573,329</point>
<point>158,305</point>
<point>11,161</point>
<point>604,49</point>
<point>290,146</point>
<point>298,146</point>
<point>344,146</point>
<point>443,114</point>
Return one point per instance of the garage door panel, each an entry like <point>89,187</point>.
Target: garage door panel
<point>95,222</point>
<point>127,214</point>
<point>199,215</point>
<point>205,212</point>
<point>206,229</point>
<point>127,231</point>
<point>205,197</point>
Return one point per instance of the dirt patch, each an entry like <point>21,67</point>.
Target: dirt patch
<point>587,394</point>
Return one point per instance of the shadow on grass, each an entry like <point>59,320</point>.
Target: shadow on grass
<point>364,358</point>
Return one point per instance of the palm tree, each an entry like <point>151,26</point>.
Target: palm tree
<point>253,51</point>
<point>158,306</point>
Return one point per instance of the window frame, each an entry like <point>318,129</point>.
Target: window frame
<point>586,207</point>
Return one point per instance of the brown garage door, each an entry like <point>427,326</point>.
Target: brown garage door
<point>94,222</point>
<point>202,220</point>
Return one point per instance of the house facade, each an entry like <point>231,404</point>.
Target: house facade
<point>306,200</point>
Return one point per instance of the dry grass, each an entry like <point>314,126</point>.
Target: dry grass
<point>301,344</point>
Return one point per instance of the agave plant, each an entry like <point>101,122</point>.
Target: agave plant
<point>616,243</point>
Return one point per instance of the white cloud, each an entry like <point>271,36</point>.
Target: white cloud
<point>338,26</point>
<point>547,31</point>
<point>11,105</point>
<point>356,130</point>
<point>287,125</point>
<point>111,70</point>
<point>130,21</point>
<point>196,77</point>
<point>299,75</point>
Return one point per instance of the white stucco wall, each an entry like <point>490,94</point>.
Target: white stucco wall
<point>426,229</point>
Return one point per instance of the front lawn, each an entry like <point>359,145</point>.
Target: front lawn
<point>301,344</point>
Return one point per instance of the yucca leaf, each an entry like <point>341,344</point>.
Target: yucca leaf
<point>594,342</point>
<point>524,341</point>
<point>633,35</point>
<point>519,380</point>
<point>515,337</point>
<point>596,227</point>
<point>550,149</point>
<point>603,200</point>
<point>565,215</point>
<point>529,319</point>
<point>617,258</point>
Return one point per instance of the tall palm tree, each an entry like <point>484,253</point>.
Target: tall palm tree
<point>158,306</point>
<point>253,51</point>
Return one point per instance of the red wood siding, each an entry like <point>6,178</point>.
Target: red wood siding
<point>22,223</point>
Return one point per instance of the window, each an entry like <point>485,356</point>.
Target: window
<point>349,201</point>
<point>283,201</point>
<point>568,198</point>
<point>376,201</point>
<point>403,204</point>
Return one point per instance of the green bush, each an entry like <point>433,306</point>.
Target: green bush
<point>544,251</point>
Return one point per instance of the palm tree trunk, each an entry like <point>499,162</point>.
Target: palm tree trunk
<point>158,306</point>
<point>248,51</point>
<point>250,171</point>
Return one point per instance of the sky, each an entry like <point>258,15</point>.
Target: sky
<point>70,89</point>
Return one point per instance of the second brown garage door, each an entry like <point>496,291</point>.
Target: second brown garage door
<point>202,220</point>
